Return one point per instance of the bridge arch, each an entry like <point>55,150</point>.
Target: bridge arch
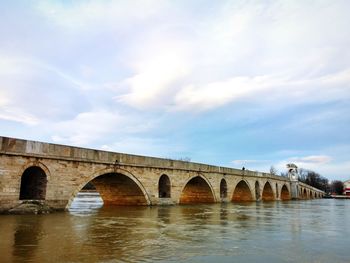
<point>33,183</point>
<point>285,194</point>
<point>197,190</point>
<point>38,164</point>
<point>268,194</point>
<point>304,194</point>
<point>242,192</point>
<point>108,182</point>
<point>164,187</point>
<point>223,188</point>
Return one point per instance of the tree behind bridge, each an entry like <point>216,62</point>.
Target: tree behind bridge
<point>337,187</point>
<point>314,179</point>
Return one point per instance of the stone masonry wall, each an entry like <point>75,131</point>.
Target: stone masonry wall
<point>68,169</point>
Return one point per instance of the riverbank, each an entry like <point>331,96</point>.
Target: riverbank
<point>341,196</point>
<point>336,197</point>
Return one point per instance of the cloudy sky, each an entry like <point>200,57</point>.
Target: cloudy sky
<point>231,83</point>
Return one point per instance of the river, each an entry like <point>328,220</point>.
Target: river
<point>294,231</point>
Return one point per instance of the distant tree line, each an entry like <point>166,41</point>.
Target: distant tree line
<point>320,182</point>
<point>337,187</point>
<point>314,179</point>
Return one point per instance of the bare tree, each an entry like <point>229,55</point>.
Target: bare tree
<point>337,187</point>
<point>314,179</point>
<point>273,170</point>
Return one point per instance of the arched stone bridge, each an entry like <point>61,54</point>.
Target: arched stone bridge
<point>32,170</point>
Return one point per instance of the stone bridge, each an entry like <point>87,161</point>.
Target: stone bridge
<point>31,170</point>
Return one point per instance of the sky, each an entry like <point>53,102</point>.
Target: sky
<point>230,83</point>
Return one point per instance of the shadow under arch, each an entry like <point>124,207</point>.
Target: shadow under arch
<point>223,188</point>
<point>300,192</point>
<point>197,190</point>
<point>242,192</point>
<point>164,186</point>
<point>116,187</point>
<point>304,194</point>
<point>285,194</point>
<point>268,194</point>
<point>33,182</point>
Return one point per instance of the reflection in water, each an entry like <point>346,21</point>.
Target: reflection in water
<point>251,232</point>
<point>223,214</point>
<point>26,237</point>
<point>86,202</point>
<point>163,215</point>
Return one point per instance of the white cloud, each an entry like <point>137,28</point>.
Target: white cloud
<point>311,162</point>
<point>249,52</point>
<point>316,159</point>
<point>32,91</point>
<point>155,77</point>
<point>87,127</point>
<point>216,94</point>
<point>274,89</point>
<point>99,125</point>
<point>17,115</point>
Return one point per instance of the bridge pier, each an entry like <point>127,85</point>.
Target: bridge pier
<point>294,186</point>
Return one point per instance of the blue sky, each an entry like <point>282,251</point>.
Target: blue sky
<point>231,83</point>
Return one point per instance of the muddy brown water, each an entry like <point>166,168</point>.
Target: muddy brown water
<point>293,231</point>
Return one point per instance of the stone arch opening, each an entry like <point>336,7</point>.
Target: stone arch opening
<point>223,188</point>
<point>267,192</point>
<point>285,195</point>
<point>277,191</point>
<point>257,191</point>
<point>242,192</point>
<point>304,194</point>
<point>33,184</point>
<point>164,187</point>
<point>197,191</point>
<point>118,189</point>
